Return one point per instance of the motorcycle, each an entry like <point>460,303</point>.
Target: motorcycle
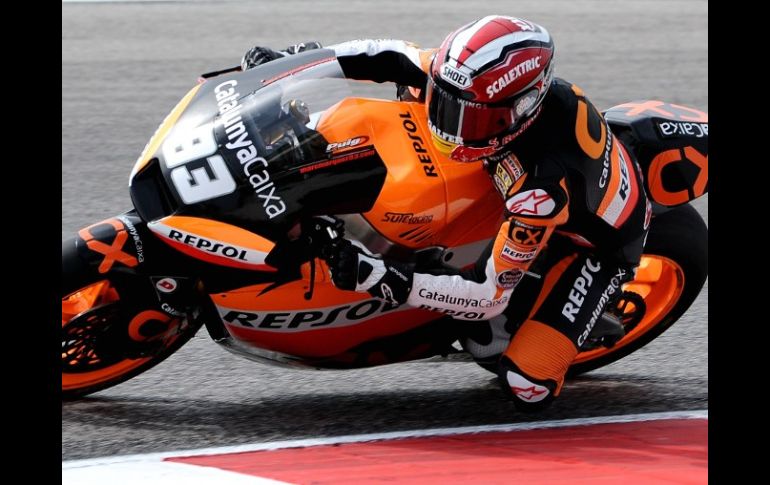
<point>254,172</point>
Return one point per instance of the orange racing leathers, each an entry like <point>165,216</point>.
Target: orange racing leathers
<point>563,178</point>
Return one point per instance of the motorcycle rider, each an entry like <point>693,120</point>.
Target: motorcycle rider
<point>564,179</point>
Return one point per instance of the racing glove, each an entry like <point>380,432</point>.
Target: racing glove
<point>354,269</point>
<point>258,55</point>
<point>302,47</point>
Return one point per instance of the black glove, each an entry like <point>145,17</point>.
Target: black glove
<point>258,55</point>
<point>352,269</point>
<point>302,47</point>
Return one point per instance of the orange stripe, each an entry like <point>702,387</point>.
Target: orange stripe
<point>612,186</point>
<point>553,276</point>
<point>592,148</point>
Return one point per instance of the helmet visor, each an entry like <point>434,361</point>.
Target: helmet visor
<point>468,123</point>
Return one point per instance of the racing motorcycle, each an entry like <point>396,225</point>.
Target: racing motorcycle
<point>253,173</point>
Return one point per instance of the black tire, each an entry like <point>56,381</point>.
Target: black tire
<point>115,315</point>
<point>680,235</point>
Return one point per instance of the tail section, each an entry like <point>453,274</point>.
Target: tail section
<point>670,142</point>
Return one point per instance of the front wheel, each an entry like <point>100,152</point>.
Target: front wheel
<point>672,272</point>
<point>107,336</point>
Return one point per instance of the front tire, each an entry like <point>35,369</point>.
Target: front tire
<point>109,337</point>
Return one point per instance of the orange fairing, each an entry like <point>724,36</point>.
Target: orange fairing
<point>426,200</point>
<point>425,193</point>
<point>330,323</point>
<point>214,242</point>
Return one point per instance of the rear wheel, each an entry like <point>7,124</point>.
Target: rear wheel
<point>672,272</point>
<point>107,336</point>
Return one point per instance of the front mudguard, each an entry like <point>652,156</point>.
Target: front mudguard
<point>144,270</point>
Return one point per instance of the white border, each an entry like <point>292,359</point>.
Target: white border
<point>420,433</point>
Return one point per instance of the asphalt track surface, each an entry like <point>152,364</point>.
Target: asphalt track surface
<point>125,65</point>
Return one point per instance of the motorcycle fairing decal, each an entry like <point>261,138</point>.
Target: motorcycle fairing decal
<point>214,242</point>
<point>292,320</point>
<point>332,322</point>
<point>112,252</point>
<point>347,156</point>
<point>670,143</point>
<point>339,328</point>
<point>660,108</point>
<point>685,185</point>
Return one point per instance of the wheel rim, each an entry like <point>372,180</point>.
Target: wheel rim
<point>85,313</point>
<point>660,281</point>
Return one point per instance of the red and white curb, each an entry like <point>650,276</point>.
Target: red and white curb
<point>635,448</point>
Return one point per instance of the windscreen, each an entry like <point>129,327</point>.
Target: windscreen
<point>246,150</point>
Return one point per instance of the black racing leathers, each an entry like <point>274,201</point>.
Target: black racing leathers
<point>564,174</point>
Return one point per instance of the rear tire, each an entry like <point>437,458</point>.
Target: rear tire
<point>679,236</point>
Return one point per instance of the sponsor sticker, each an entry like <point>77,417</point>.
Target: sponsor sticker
<point>513,74</point>
<point>407,218</point>
<point>505,178</point>
<point>240,147</point>
<point>580,288</point>
<point>673,129</point>
<point>309,318</point>
<point>513,166</point>
<point>514,255</point>
<point>455,77</point>
<point>349,143</point>
<point>534,202</point>
<point>418,145</point>
<point>509,278</point>
<point>526,236</point>
<point>166,285</point>
<point>525,389</point>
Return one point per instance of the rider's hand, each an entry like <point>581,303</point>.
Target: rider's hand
<point>352,269</point>
<point>302,47</point>
<point>258,55</point>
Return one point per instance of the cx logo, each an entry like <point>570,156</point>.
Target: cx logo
<point>526,236</point>
<point>694,185</point>
<point>111,252</point>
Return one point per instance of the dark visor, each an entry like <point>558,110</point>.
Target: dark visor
<point>467,123</point>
